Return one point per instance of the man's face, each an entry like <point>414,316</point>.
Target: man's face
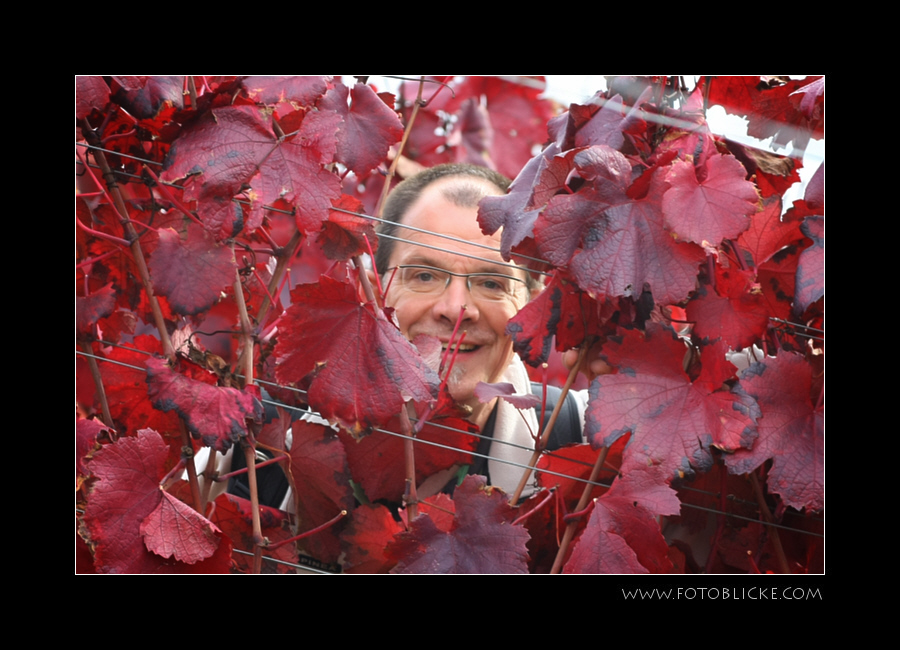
<point>486,351</point>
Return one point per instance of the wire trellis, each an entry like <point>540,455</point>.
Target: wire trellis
<point>557,454</point>
<point>796,329</point>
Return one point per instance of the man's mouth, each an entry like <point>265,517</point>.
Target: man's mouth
<point>465,347</point>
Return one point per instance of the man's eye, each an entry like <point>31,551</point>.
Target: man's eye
<point>493,285</point>
<point>424,277</point>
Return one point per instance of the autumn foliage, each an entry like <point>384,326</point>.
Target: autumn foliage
<point>220,228</point>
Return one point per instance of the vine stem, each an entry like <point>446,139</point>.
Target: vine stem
<point>246,329</point>
<point>102,235</point>
<point>767,515</point>
<point>317,529</point>
<point>140,262</point>
<point>159,320</point>
<point>181,207</point>
<point>573,374</point>
<point>544,368</point>
<point>406,132</point>
<point>546,499</point>
<point>265,235</point>
<point>285,256</point>
<point>706,88</point>
<point>258,540</point>
<point>192,90</point>
<point>187,453</point>
<point>410,496</point>
<point>98,382</point>
<point>243,470</point>
<point>246,361</point>
<point>98,258</point>
<point>209,473</point>
<point>582,504</point>
<point>263,285</point>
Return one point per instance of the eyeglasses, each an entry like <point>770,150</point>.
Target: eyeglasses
<point>433,281</point>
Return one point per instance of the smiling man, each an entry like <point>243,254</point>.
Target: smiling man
<point>441,267</point>
<point>433,248</point>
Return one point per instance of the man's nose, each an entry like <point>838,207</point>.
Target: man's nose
<point>452,299</point>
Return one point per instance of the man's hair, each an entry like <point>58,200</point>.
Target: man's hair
<point>402,197</point>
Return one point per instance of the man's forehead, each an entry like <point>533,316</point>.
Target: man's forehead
<point>473,265</point>
<point>461,191</point>
<point>444,230</point>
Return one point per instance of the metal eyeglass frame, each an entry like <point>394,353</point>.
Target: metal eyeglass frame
<point>467,276</point>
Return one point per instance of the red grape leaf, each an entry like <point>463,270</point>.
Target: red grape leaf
<point>811,267</point>
<point>274,433</point>
<point>624,241</point>
<point>734,94</point>
<point>300,90</point>
<point>126,388</point>
<point>774,173</point>
<point>768,233</point>
<point>86,432</point>
<point>176,530</point>
<point>191,273</point>
<point>561,310</point>
<point>515,212</point>
<point>608,125</point>
<point>144,96</point>
<point>365,369</point>
<point>376,461</point>
<point>772,106</point>
<point>117,324</point>
<point>623,535</point>
<point>344,235</point>
<point>90,92</point>
<point>791,430</point>
<point>440,508</point>
<point>483,539</point>
<point>776,107</point>
<point>711,209</point>
<point>426,143</point>
<point>228,149</point>
<point>735,311</point>
<point>777,277</point>
<point>812,104</point>
<point>472,134</point>
<point>216,414</point>
<point>701,497</point>
<point>569,217</point>
<point>90,309</point>
<point>673,420</point>
<point>533,328</point>
<point>576,462</point>
<point>126,493</point>
<point>716,368</point>
<point>815,191</point>
<point>776,113</point>
<point>369,126</point>
<point>366,537</point>
<point>518,116</point>
<point>693,141</point>
<point>234,516</point>
<point>320,478</point>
